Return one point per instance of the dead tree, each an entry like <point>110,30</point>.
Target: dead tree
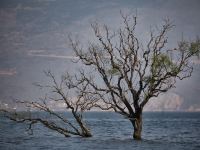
<point>62,91</point>
<point>125,74</point>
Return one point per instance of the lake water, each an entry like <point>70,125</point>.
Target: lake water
<point>161,131</point>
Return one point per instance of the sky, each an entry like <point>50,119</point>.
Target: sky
<point>33,38</point>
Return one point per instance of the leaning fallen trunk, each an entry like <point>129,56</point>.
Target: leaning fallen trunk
<point>85,132</point>
<point>76,127</point>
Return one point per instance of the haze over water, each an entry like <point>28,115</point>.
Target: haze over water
<point>33,38</point>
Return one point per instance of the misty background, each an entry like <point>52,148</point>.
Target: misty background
<point>33,38</point>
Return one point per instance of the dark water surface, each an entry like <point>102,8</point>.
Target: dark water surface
<point>161,131</point>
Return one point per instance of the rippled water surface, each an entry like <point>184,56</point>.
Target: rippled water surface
<point>163,131</point>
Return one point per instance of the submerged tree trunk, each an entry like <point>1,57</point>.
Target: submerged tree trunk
<point>137,124</point>
<point>85,132</point>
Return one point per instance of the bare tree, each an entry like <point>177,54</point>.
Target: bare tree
<point>59,123</point>
<point>125,74</point>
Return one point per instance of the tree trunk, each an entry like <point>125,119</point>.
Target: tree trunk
<point>137,124</point>
<point>85,132</point>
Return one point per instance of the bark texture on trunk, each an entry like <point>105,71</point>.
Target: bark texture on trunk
<point>137,123</point>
